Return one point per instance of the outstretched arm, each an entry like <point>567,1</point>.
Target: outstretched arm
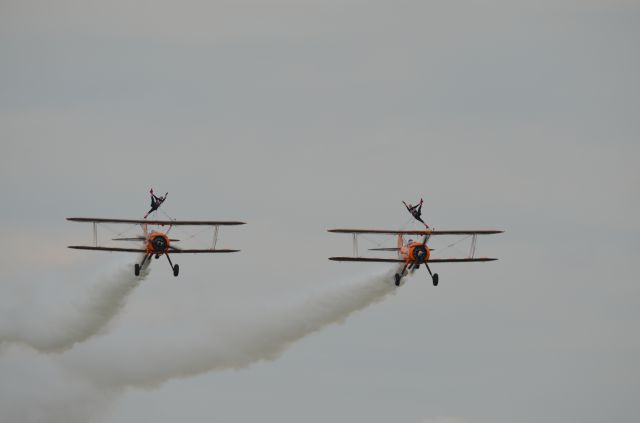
<point>153,196</point>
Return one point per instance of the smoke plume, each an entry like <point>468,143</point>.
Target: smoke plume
<point>80,384</point>
<point>234,339</point>
<point>35,317</point>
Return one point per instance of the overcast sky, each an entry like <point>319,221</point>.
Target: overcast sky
<point>300,116</point>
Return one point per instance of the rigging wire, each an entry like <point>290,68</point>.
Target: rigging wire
<point>440,250</point>
<point>189,235</point>
<point>386,241</point>
<point>115,233</point>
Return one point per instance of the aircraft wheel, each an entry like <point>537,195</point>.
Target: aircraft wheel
<point>136,269</point>
<point>176,269</point>
<point>397,279</point>
<point>435,279</point>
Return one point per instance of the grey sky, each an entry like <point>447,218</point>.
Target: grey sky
<point>298,116</point>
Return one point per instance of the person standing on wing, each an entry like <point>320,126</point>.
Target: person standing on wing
<point>156,202</point>
<point>416,211</point>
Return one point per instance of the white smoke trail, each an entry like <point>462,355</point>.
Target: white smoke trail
<point>232,342</point>
<point>80,384</point>
<point>47,327</point>
<point>34,388</point>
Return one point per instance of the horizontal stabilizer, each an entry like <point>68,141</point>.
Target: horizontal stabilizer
<point>157,222</point>
<point>139,238</point>
<point>135,238</point>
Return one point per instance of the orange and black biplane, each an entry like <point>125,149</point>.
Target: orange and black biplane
<point>413,254</point>
<point>154,242</point>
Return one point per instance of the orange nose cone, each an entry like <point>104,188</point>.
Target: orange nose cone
<point>153,237</point>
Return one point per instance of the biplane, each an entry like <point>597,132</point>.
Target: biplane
<point>413,253</point>
<point>154,242</point>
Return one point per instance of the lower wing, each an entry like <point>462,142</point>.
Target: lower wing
<point>435,260</point>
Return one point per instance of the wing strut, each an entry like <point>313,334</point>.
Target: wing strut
<point>216,229</point>
<point>355,245</point>
<point>472,249</point>
<point>95,234</point>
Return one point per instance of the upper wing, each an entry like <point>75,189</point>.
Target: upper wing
<point>427,232</point>
<point>142,250</point>
<point>156,222</point>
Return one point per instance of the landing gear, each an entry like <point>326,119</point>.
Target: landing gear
<point>175,268</point>
<point>434,276</point>
<point>138,267</point>
<point>398,276</point>
<point>412,266</point>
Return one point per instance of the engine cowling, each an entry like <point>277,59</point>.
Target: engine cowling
<point>420,253</point>
<point>159,243</point>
